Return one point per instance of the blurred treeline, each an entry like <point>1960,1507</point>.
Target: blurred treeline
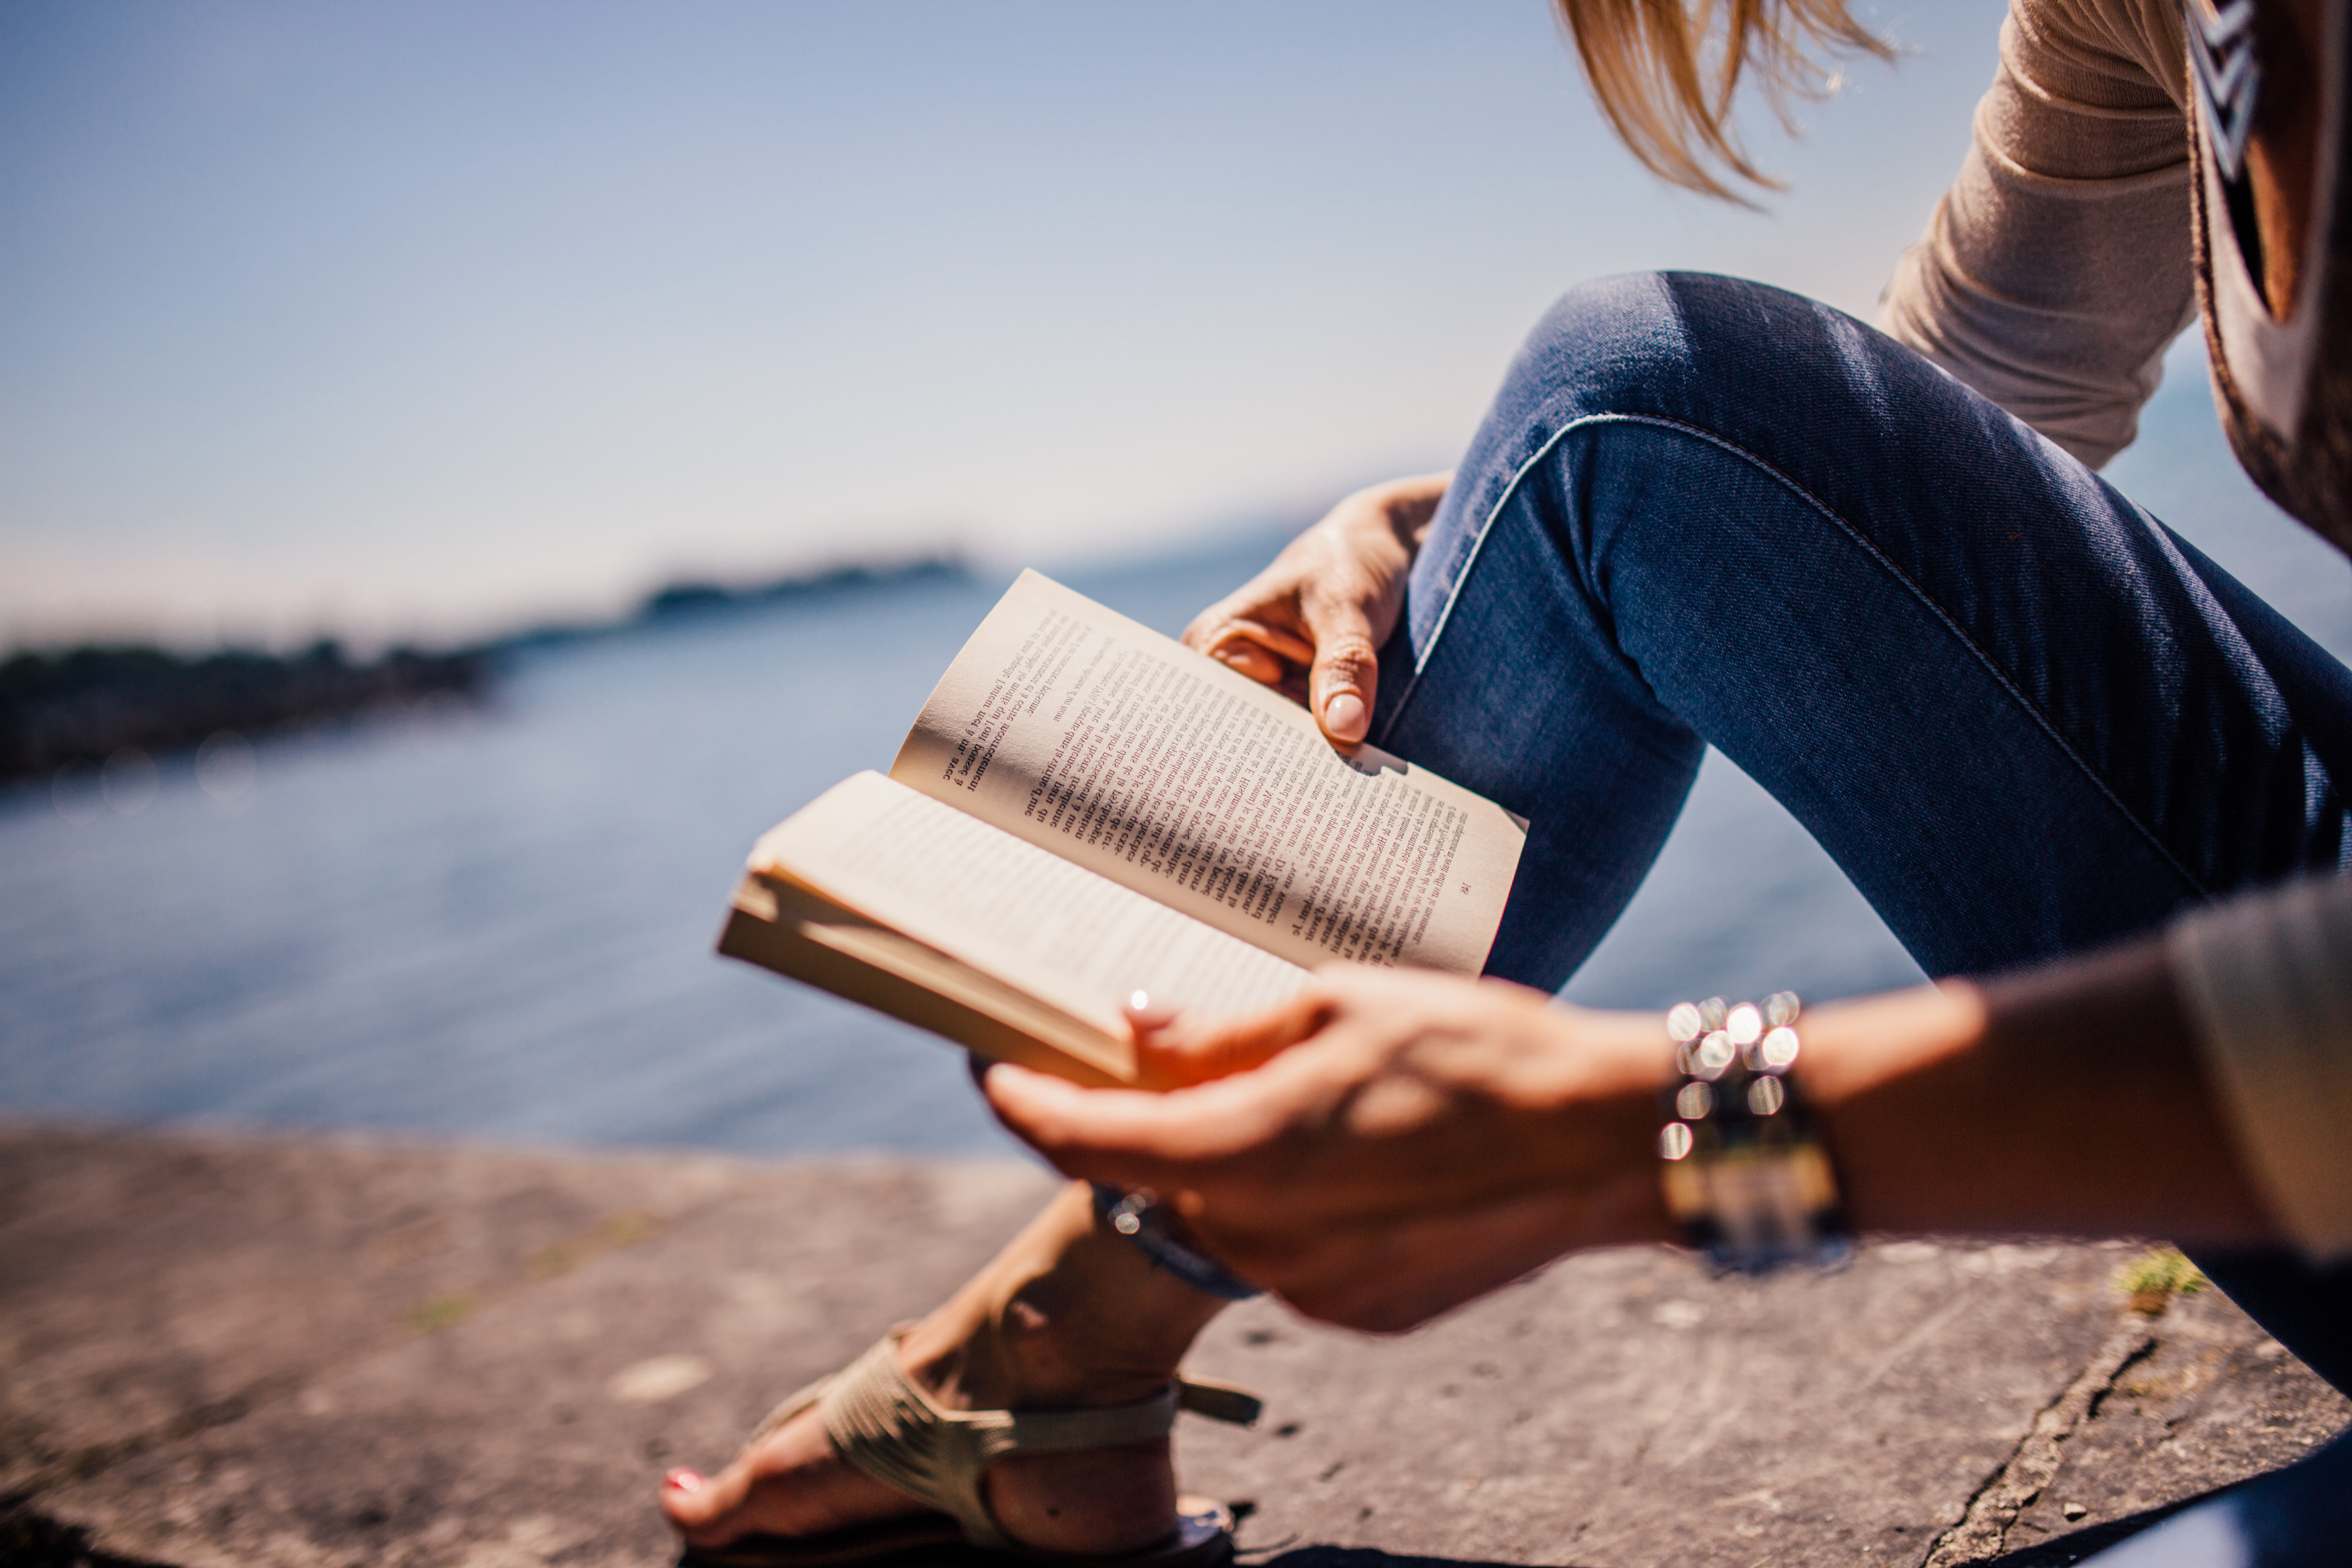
<point>87,704</point>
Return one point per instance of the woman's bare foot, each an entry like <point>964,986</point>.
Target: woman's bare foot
<point>1067,1314</point>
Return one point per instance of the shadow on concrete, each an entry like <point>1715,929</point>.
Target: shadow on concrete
<point>2066,1551</point>
<point>1356,1557</point>
<point>30,1539</point>
<point>2059,1551</point>
<point>971,1557</point>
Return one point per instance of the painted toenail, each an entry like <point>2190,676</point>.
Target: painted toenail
<point>684,1480</point>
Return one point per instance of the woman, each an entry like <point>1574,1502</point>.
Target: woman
<point>2039,732</point>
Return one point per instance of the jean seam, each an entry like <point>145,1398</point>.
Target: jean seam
<point>1469,563</point>
<point>2056,737</point>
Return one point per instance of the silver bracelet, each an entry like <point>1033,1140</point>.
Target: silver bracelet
<point>1746,1174</point>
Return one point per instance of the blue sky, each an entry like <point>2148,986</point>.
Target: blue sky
<point>422,317</point>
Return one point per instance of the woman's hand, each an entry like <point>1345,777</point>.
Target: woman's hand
<point>1384,1146</point>
<point>1391,1143</point>
<point>1313,622</point>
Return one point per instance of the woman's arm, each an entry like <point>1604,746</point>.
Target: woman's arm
<point>2069,1100</point>
<point>1313,622</point>
<point>2057,268</point>
<point>1389,1144</point>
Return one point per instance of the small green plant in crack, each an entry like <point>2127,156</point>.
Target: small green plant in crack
<point>2151,1280</point>
<point>441,1313</point>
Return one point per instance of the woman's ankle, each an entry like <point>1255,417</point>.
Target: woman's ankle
<point>1070,1313</point>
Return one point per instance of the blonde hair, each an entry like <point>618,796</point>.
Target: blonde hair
<point>1666,71</point>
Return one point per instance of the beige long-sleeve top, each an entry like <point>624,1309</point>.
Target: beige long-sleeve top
<point>2058,267</point>
<point>2051,279</point>
<point>2268,982</point>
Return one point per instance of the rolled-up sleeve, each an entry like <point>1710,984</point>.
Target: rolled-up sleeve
<point>2057,268</point>
<point>2268,984</point>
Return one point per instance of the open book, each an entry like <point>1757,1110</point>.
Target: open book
<point>1085,809</point>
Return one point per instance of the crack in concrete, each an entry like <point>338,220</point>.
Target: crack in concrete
<point>2034,1462</point>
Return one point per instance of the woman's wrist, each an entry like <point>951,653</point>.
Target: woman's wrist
<point>1602,1098</point>
<point>1393,513</point>
<point>2065,1100</point>
<point>1411,505</point>
<point>1898,1087</point>
<point>1852,1049</point>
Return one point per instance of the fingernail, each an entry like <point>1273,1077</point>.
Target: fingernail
<point>1146,1014</point>
<point>1344,716</point>
<point>684,1480</point>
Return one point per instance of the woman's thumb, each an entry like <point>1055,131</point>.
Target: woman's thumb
<point>1346,674</point>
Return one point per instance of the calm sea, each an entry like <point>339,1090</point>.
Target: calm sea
<point>498,923</point>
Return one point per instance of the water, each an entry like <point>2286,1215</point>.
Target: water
<point>499,925</point>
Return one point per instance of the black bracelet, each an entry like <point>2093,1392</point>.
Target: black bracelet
<point>1154,1229</point>
<point>1746,1174</point>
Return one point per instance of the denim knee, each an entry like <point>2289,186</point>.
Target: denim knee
<point>1758,369</point>
<point>1608,343</point>
<point>1681,344</point>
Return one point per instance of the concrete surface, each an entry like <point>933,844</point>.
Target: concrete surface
<point>289,1352</point>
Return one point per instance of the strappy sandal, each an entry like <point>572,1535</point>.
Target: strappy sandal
<point>884,1424</point>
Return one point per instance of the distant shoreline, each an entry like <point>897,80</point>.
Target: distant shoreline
<point>105,704</point>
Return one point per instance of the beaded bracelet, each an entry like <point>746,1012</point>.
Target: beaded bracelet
<point>1746,1174</point>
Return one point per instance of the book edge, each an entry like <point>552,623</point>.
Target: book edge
<point>800,934</point>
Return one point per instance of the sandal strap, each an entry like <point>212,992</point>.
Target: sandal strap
<point>888,1427</point>
<point>1219,1402</point>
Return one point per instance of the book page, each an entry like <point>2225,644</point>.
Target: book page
<point>1033,920</point>
<point>1097,739</point>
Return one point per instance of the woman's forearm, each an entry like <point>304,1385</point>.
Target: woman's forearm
<point>2065,1100</point>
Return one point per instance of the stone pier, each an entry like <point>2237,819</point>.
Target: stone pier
<point>331,1351</point>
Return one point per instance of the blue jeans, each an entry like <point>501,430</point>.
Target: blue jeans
<point>2023,716</point>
